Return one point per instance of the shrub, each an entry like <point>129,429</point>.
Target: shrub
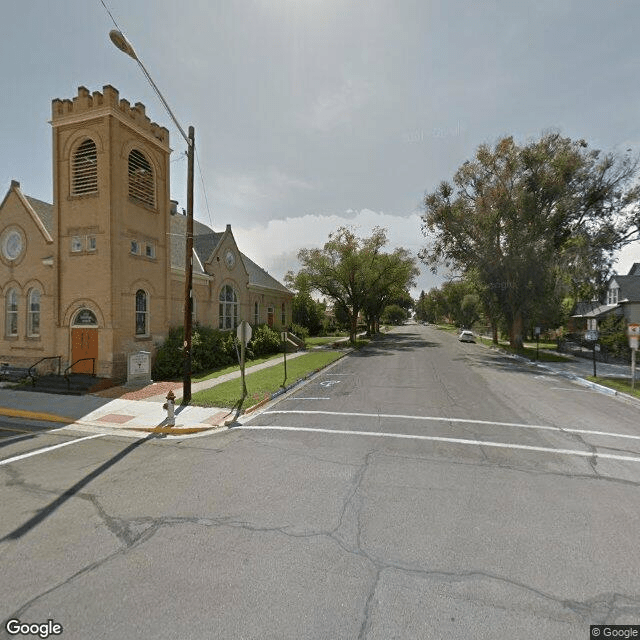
<point>210,349</point>
<point>300,331</point>
<point>264,341</point>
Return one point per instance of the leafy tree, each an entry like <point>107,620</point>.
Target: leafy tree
<point>389,277</point>
<point>394,314</point>
<point>521,220</point>
<point>355,274</point>
<point>306,311</point>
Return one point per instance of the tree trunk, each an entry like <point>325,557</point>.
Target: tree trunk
<point>515,333</point>
<point>354,327</point>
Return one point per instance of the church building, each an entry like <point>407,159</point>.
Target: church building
<point>99,274</point>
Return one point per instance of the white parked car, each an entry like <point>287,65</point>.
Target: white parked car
<point>466,336</point>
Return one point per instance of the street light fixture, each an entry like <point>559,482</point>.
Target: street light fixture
<point>119,40</point>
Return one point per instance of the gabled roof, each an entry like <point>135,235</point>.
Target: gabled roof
<point>40,212</point>
<point>597,312</point>
<point>629,288</point>
<point>44,211</point>
<point>205,241</point>
<point>584,307</point>
<point>259,277</point>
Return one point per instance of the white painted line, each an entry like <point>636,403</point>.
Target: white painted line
<point>338,374</point>
<point>22,436</point>
<point>294,398</point>
<point>479,443</point>
<point>55,446</point>
<point>460,420</point>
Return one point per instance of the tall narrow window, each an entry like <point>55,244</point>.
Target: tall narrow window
<point>270,314</point>
<point>11,315</point>
<point>142,313</point>
<point>256,313</point>
<point>284,315</point>
<point>228,316</point>
<point>33,320</point>
<point>85,169</point>
<point>141,184</point>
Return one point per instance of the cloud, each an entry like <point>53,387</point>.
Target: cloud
<point>334,109</point>
<point>275,246</point>
<point>250,193</point>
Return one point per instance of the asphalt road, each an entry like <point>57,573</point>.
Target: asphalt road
<point>420,488</point>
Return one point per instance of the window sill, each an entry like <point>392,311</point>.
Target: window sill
<point>143,205</point>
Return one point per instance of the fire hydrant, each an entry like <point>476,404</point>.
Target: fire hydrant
<point>169,406</point>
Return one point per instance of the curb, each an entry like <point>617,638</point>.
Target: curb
<point>608,391</point>
<point>35,415</point>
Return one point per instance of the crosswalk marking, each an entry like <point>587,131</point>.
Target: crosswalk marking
<point>456,420</point>
<point>462,441</point>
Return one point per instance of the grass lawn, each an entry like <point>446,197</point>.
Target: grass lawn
<point>263,383</point>
<point>234,367</point>
<point>619,384</point>
<point>528,351</point>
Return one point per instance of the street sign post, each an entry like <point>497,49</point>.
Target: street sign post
<point>537,332</point>
<point>592,336</point>
<point>283,335</point>
<point>244,335</point>
<point>633,332</point>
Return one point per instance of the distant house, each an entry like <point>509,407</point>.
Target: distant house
<point>622,299</point>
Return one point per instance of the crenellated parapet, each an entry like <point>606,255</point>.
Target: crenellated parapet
<point>86,101</point>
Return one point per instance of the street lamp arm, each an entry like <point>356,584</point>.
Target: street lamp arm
<point>120,41</point>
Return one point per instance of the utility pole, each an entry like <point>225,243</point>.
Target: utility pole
<point>188,273</point>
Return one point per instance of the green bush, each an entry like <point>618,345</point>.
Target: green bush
<point>300,331</point>
<point>210,349</point>
<point>169,361</point>
<point>264,341</point>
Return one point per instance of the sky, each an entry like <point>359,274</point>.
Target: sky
<point>313,114</point>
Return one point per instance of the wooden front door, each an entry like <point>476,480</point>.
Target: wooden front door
<point>84,344</point>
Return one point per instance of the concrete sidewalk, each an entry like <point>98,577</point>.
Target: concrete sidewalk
<point>127,410</point>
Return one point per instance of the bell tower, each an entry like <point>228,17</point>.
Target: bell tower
<point>111,228</point>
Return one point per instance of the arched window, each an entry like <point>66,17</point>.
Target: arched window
<point>284,315</point>
<point>256,313</point>
<point>33,313</point>
<point>142,313</point>
<point>141,183</point>
<point>85,169</point>
<point>11,313</point>
<point>228,308</point>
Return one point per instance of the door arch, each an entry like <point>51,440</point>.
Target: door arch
<point>84,341</point>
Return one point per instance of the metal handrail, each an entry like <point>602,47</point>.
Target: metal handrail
<point>30,375</point>
<point>66,374</point>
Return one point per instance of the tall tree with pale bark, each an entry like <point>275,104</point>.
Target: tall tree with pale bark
<point>524,220</point>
